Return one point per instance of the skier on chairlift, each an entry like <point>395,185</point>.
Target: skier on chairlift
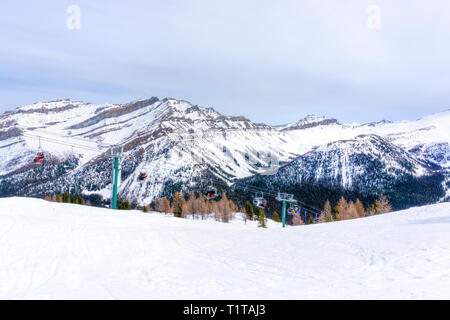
<point>259,201</point>
<point>294,210</point>
<point>39,159</point>
<point>142,176</point>
<point>211,193</point>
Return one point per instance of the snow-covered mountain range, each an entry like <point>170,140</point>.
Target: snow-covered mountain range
<point>183,146</point>
<point>363,167</point>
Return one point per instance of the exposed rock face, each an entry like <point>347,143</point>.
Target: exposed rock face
<point>367,166</point>
<point>309,121</point>
<point>186,147</point>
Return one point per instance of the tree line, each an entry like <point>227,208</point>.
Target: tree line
<point>345,210</point>
<point>66,197</point>
<point>198,207</point>
<point>223,210</point>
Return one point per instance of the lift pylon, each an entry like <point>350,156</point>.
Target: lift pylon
<point>285,197</point>
<point>116,153</point>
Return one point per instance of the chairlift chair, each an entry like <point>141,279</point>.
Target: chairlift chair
<point>259,201</point>
<point>211,193</point>
<point>142,176</point>
<point>39,159</point>
<point>294,210</point>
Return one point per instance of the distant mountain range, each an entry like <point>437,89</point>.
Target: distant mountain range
<point>182,146</point>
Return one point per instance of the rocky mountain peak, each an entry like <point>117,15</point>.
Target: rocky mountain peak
<point>175,141</point>
<point>309,121</point>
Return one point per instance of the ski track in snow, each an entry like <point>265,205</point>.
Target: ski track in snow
<point>50,250</point>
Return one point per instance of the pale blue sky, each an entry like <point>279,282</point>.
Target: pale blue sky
<point>271,61</point>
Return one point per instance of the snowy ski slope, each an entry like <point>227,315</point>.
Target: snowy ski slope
<point>50,250</point>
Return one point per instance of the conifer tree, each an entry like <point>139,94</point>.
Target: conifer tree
<point>79,200</point>
<point>297,221</point>
<point>177,205</point>
<point>233,207</point>
<point>275,217</point>
<point>224,209</point>
<point>360,208</point>
<point>213,208</point>
<point>350,212</point>
<point>380,206</point>
<point>262,221</point>
<point>325,215</point>
<point>311,220</point>
<point>58,197</point>
<point>375,208</point>
<point>186,209</point>
<point>66,197</point>
<point>249,210</point>
<point>145,209</point>
<point>163,205</point>
<point>124,205</point>
<point>200,206</point>
<point>384,204</point>
<point>340,209</point>
<point>258,213</point>
<point>190,205</point>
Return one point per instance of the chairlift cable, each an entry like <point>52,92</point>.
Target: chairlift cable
<point>190,135</point>
<point>65,143</point>
<point>52,133</point>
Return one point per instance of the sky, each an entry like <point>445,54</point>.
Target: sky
<point>271,61</point>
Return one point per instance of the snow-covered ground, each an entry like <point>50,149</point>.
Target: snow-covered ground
<point>51,250</point>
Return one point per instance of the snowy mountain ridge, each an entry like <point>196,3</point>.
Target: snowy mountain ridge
<point>367,166</point>
<point>308,122</point>
<point>182,145</point>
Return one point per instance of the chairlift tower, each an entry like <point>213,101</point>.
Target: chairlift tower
<point>285,197</point>
<point>116,153</point>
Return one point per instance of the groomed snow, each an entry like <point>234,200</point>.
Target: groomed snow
<point>63,251</point>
